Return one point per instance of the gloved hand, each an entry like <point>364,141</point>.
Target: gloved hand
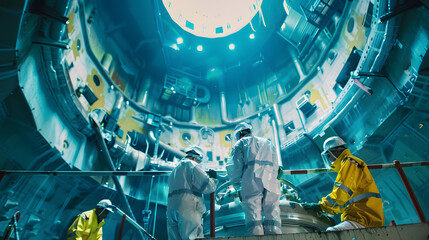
<point>280,172</point>
<point>239,196</point>
<point>312,207</point>
<point>212,173</point>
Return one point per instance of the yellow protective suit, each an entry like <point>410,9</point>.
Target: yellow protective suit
<point>86,227</point>
<point>355,194</point>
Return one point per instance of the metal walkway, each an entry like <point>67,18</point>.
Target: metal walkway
<point>409,231</point>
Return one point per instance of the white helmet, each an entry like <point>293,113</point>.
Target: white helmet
<point>106,204</point>
<point>198,153</point>
<point>195,151</point>
<point>239,128</point>
<point>330,144</point>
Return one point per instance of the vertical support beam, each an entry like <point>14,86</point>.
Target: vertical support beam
<point>410,191</point>
<point>121,230</point>
<point>212,215</point>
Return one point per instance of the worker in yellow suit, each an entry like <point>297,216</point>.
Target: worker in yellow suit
<point>87,225</point>
<point>354,195</point>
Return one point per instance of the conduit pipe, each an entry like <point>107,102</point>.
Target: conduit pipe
<point>236,121</point>
<point>277,142</point>
<point>297,63</point>
<point>105,153</point>
<point>168,148</point>
<point>116,110</point>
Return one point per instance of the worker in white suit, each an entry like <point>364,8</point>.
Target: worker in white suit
<point>253,169</point>
<point>185,207</point>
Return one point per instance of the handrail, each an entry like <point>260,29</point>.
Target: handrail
<point>376,166</point>
<point>410,191</point>
<point>86,173</point>
<point>396,164</point>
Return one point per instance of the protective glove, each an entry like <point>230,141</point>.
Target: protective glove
<point>280,172</point>
<point>312,207</point>
<point>239,196</point>
<point>212,173</point>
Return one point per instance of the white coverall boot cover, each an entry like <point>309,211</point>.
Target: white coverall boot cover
<point>187,183</point>
<point>253,167</point>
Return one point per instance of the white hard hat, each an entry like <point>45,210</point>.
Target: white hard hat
<point>329,144</point>
<point>106,204</point>
<point>333,142</point>
<point>242,126</point>
<point>194,151</point>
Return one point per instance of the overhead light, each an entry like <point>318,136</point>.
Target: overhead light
<point>179,40</point>
<point>232,46</point>
<point>252,36</point>
<point>199,48</point>
<point>175,47</point>
<point>212,69</point>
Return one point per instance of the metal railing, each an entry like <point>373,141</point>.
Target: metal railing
<point>396,165</point>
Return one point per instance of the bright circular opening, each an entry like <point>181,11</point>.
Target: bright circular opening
<point>212,19</point>
<point>232,46</point>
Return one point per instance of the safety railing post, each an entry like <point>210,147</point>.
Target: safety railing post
<point>410,191</point>
<point>121,230</point>
<point>212,215</point>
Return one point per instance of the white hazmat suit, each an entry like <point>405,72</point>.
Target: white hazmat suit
<point>253,168</point>
<point>187,183</point>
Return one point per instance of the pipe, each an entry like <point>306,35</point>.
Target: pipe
<point>224,115</point>
<point>167,147</point>
<point>297,63</point>
<point>155,151</point>
<point>105,153</point>
<point>147,208</point>
<point>278,116</point>
<point>276,142</point>
<point>410,191</point>
<point>212,215</point>
<point>156,210</point>
<point>116,109</point>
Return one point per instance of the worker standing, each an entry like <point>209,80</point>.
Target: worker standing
<point>354,194</point>
<point>88,225</point>
<point>187,183</point>
<point>252,168</point>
